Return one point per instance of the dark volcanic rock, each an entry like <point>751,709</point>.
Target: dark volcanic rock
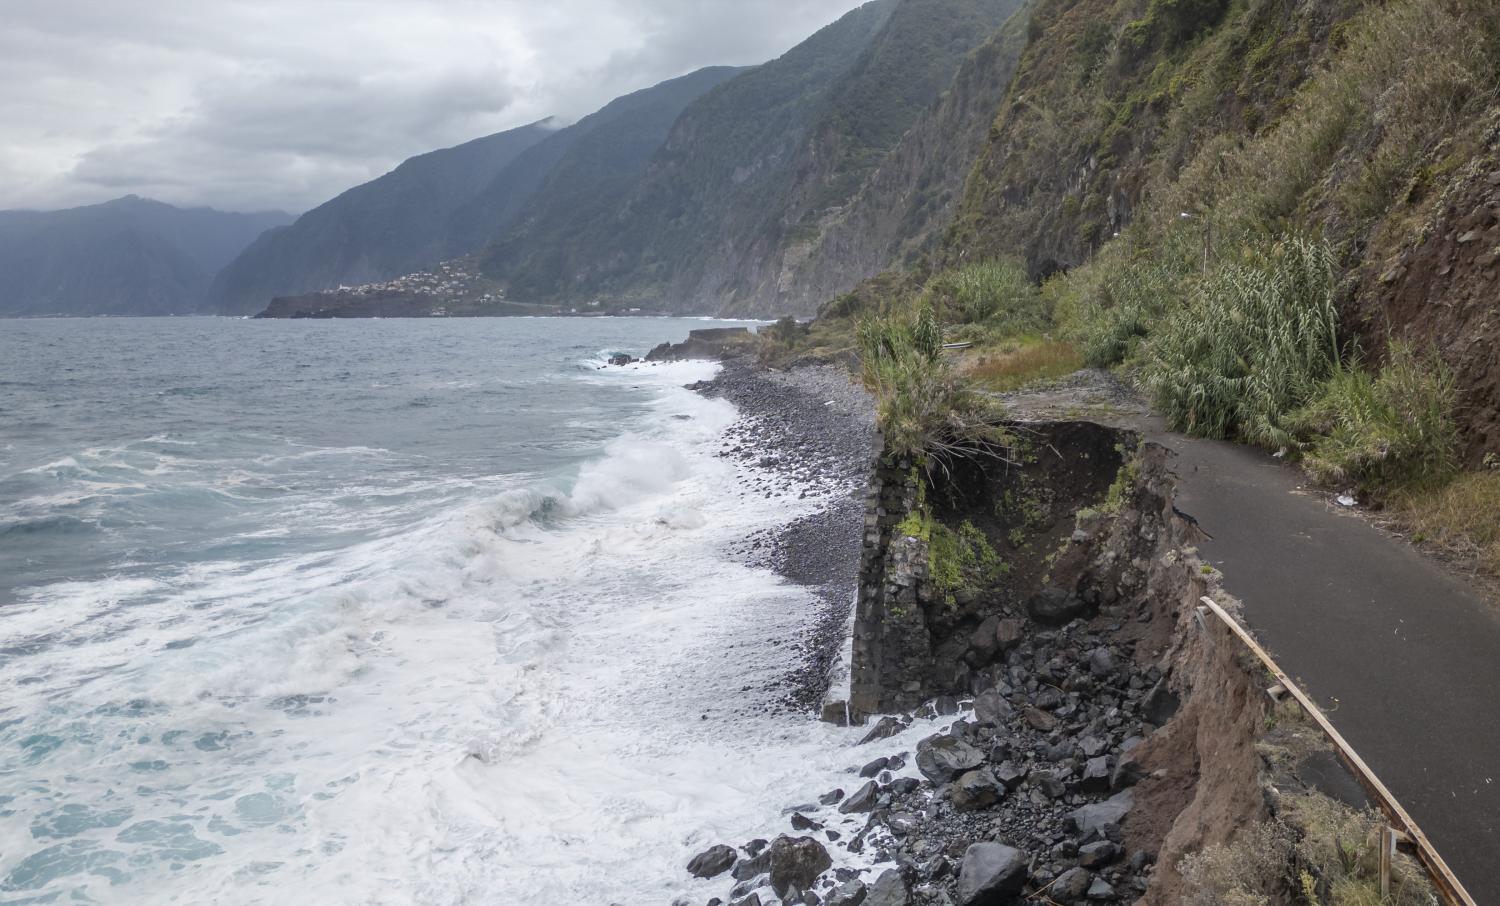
<point>992,708</point>
<point>991,875</point>
<point>1054,606</point>
<point>1097,817</point>
<point>888,890</point>
<point>1099,854</point>
<point>874,767</point>
<point>712,862</point>
<point>941,758</point>
<point>863,800</point>
<point>884,729</point>
<point>849,893</point>
<point>976,790</point>
<point>1072,886</point>
<point>796,863</point>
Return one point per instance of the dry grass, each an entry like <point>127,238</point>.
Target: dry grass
<point>1462,518</point>
<point>1015,363</point>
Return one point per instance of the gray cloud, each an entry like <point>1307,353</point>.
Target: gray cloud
<point>255,104</point>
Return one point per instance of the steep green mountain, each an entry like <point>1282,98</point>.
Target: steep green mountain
<point>581,174</point>
<point>450,202</point>
<point>910,198</point>
<point>1157,152</point>
<point>749,168</point>
<point>388,226</point>
<point>130,256</point>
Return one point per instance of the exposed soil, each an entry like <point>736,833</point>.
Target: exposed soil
<point>1440,293</point>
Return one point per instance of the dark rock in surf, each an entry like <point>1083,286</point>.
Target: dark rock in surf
<point>712,862</point>
<point>864,799</point>
<point>796,863</point>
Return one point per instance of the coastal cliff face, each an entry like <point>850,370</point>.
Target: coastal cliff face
<point>1061,723</point>
<point>907,202</point>
<point>748,171</point>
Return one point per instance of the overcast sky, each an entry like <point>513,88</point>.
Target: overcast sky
<point>260,104</point>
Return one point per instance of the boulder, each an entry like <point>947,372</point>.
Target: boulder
<point>849,893</point>
<point>941,758</point>
<point>712,862</point>
<point>1049,784</point>
<point>888,890</point>
<point>1072,886</point>
<point>1096,818</point>
<point>1008,633</point>
<point>992,708</point>
<point>830,797</point>
<point>796,863</point>
<point>991,874</point>
<point>874,767</point>
<point>1101,662</point>
<point>983,640</point>
<point>885,728</point>
<point>620,358</point>
<point>1126,774</point>
<point>1054,606</point>
<point>1040,719</point>
<point>1160,704</point>
<point>1099,854</point>
<point>863,800</point>
<point>1009,774</point>
<point>801,822</point>
<point>1095,775</point>
<point>1100,890</point>
<point>758,864</point>
<point>976,790</point>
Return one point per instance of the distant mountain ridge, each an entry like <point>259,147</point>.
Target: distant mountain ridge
<point>749,191</point>
<point>722,211</point>
<point>449,203</point>
<point>129,256</point>
<point>386,227</point>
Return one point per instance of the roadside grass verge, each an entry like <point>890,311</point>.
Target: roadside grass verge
<point>1387,431</point>
<point>1013,364</point>
<point>1462,518</point>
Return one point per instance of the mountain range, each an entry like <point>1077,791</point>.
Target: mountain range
<point>130,256</point>
<point>754,190</point>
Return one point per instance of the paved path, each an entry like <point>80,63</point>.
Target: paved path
<point>1403,656</point>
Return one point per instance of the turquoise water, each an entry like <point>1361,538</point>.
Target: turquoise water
<point>380,612</point>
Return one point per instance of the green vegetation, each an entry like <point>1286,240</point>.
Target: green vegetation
<point>995,293</point>
<point>925,410</point>
<point>1257,340</point>
<point>1385,431</point>
<point>1461,518</point>
<point>960,559</point>
<point>1321,849</point>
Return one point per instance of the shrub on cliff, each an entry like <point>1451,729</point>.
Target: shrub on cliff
<point>926,412</point>
<point>993,292</point>
<point>1387,430</point>
<point>1257,342</point>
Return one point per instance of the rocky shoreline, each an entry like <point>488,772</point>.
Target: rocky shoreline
<point>813,427</point>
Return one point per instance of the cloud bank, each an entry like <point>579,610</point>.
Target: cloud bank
<point>261,104</point>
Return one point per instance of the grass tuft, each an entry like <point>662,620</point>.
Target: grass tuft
<point>1380,432</point>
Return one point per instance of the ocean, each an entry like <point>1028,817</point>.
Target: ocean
<point>386,611</point>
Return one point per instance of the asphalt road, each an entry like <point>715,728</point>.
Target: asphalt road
<point>1402,655</point>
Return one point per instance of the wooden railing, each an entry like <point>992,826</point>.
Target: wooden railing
<point>1405,829</point>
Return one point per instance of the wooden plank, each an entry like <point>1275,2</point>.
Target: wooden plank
<point>1442,877</point>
